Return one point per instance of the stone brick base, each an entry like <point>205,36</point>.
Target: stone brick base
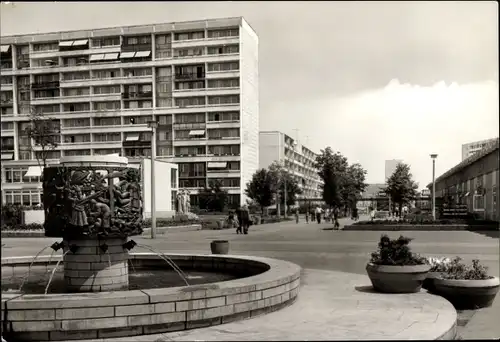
<point>92,268</point>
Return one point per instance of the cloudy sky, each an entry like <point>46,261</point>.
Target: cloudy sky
<point>374,80</point>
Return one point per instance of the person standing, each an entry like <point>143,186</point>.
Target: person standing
<point>239,217</point>
<point>297,215</point>
<point>245,219</point>
<point>307,215</point>
<point>336,212</point>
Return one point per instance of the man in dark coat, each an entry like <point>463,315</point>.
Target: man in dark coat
<point>240,222</point>
<point>245,219</point>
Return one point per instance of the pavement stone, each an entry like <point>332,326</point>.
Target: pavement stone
<point>333,306</point>
<point>311,247</point>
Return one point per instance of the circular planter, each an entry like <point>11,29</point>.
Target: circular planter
<point>429,281</point>
<point>467,294</point>
<point>397,279</point>
<point>219,247</point>
<point>220,224</point>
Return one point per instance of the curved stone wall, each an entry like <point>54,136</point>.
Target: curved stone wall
<point>127,313</point>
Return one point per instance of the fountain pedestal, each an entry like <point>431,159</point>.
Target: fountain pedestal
<point>92,268</point>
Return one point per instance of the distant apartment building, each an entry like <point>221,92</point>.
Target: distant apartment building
<point>297,159</point>
<point>390,167</point>
<point>470,149</point>
<point>199,80</point>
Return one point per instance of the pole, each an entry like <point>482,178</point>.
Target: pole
<point>284,193</point>
<point>433,189</point>
<point>153,192</point>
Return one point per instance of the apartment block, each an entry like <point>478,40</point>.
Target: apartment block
<point>297,159</point>
<point>472,148</point>
<point>390,167</point>
<point>199,80</point>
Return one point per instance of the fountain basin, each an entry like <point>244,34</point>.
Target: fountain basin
<point>52,317</point>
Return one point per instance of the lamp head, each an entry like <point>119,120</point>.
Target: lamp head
<point>434,156</point>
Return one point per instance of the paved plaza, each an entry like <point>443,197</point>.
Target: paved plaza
<point>318,250</point>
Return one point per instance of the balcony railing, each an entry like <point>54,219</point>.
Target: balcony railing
<point>136,47</point>
<point>45,85</point>
<point>194,125</point>
<point>222,138</point>
<point>190,76</point>
<point>7,102</point>
<point>138,95</point>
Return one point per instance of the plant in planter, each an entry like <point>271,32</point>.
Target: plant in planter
<point>393,268</point>
<point>467,286</point>
<point>438,266</point>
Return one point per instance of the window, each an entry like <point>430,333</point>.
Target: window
<point>164,135</point>
<point>223,133</point>
<point>226,182</point>
<point>7,126</point>
<point>222,150</point>
<point>173,178</point>
<point>71,153</point>
<point>165,151</point>
<point>109,105</point>
<point>189,85</point>
<point>224,83</point>
<point>7,80</point>
<point>223,33</point>
<point>190,151</point>
<point>77,122</point>
<point>190,118</point>
<point>73,61</point>
<point>40,94</point>
<point>77,92</point>
<point>103,137</point>
<point>23,197</point>
<point>233,165</point>
<point>163,39</point>
<point>76,139</point>
<point>137,120</point>
<point>478,202</point>
<point>101,152</point>
<point>223,50</point>
<point>190,101</point>
<point>103,74</point>
<point>113,121</point>
<point>76,76</point>
<point>76,107</point>
<point>223,100</point>
<point>103,42</point>
<point>52,46</point>
<point>164,102</point>
<point>138,72</point>
<point>165,119</point>
<point>107,90</point>
<point>189,35</point>
<point>188,52</point>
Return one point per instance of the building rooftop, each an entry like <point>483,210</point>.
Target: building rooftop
<point>132,29</point>
<point>492,147</point>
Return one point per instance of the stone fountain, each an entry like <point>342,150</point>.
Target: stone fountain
<point>94,204</point>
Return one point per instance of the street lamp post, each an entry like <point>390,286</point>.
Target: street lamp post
<point>153,124</point>
<point>434,156</point>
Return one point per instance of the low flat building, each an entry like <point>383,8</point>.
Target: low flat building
<point>473,182</point>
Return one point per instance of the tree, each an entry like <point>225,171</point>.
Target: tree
<point>279,176</point>
<point>342,183</point>
<point>213,198</point>
<point>400,186</point>
<point>44,136</point>
<point>261,188</point>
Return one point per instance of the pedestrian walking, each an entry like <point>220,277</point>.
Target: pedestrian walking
<point>297,215</point>
<point>318,212</point>
<point>307,216</point>
<point>240,221</point>
<point>245,218</point>
<point>336,212</point>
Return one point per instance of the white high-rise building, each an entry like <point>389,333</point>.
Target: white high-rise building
<point>199,80</point>
<point>297,159</point>
<point>390,167</point>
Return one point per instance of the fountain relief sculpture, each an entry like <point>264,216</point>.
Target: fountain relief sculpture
<point>94,204</point>
<point>183,202</point>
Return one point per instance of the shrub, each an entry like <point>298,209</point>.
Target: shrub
<point>20,227</point>
<point>438,264</point>
<point>459,270</point>
<point>395,252</point>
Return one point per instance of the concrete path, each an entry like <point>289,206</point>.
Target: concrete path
<point>311,247</point>
<point>333,306</point>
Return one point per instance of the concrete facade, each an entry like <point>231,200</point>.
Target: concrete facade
<point>297,159</point>
<point>474,182</point>
<point>471,148</point>
<point>390,167</point>
<point>198,79</point>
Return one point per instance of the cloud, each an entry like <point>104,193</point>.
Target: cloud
<point>401,121</point>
